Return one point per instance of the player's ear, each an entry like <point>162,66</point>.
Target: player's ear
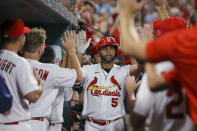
<point>99,51</point>
<point>92,59</point>
<point>20,38</point>
<point>54,61</point>
<point>40,50</point>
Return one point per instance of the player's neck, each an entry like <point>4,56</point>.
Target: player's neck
<point>33,56</point>
<point>12,48</point>
<point>107,65</point>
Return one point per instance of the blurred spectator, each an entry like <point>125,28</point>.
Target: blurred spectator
<point>101,15</point>
<point>95,57</point>
<point>76,109</point>
<point>104,5</point>
<point>69,4</point>
<point>192,19</point>
<point>87,13</point>
<point>174,11</point>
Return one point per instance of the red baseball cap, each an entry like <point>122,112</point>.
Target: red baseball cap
<point>107,41</point>
<point>13,28</point>
<point>172,24</point>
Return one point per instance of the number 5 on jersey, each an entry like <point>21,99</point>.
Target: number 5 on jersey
<point>114,102</point>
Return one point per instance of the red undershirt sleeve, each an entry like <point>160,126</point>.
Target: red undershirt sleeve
<point>170,76</point>
<point>161,48</point>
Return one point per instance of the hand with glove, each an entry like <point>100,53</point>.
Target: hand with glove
<point>81,43</point>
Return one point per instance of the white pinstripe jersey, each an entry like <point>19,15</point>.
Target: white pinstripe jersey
<point>104,92</point>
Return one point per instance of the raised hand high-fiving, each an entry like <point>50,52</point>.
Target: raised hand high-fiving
<point>159,2</point>
<point>82,44</point>
<point>69,40</point>
<point>131,6</point>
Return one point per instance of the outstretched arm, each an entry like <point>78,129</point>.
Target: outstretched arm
<point>161,9</point>
<point>130,42</point>
<point>65,63</point>
<point>156,81</point>
<point>68,64</point>
<point>69,43</point>
<point>131,85</point>
<point>136,120</point>
<point>136,68</point>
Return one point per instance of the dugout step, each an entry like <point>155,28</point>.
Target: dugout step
<point>37,12</point>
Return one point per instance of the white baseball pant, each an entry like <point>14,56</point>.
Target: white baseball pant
<point>38,125</point>
<point>21,126</point>
<point>117,125</point>
<point>55,127</point>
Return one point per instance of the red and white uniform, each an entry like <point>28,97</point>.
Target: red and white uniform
<point>166,110</point>
<point>103,96</point>
<point>56,118</point>
<point>54,78</point>
<point>20,80</point>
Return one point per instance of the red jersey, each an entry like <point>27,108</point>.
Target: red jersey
<point>180,47</point>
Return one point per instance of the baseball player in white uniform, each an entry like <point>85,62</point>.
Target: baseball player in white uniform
<point>53,54</point>
<point>104,90</point>
<point>53,76</point>
<point>56,118</point>
<point>18,76</point>
<point>166,110</point>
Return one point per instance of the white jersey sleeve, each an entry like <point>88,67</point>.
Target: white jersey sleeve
<point>64,94</point>
<point>86,69</point>
<point>125,73</point>
<point>125,70</point>
<point>25,78</point>
<point>64,77</point>
<point>145,99</point>
<point>68,92</point>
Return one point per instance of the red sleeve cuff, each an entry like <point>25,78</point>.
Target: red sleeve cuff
<point>170,77</point>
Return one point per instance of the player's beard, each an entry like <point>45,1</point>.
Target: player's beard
<point>107,60</point>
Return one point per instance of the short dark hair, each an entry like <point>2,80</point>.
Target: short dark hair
<point>114,46</point>
<point>89,3</point>
<point>4,40</point>
<point>34,39</point>
<point>48,55</point>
